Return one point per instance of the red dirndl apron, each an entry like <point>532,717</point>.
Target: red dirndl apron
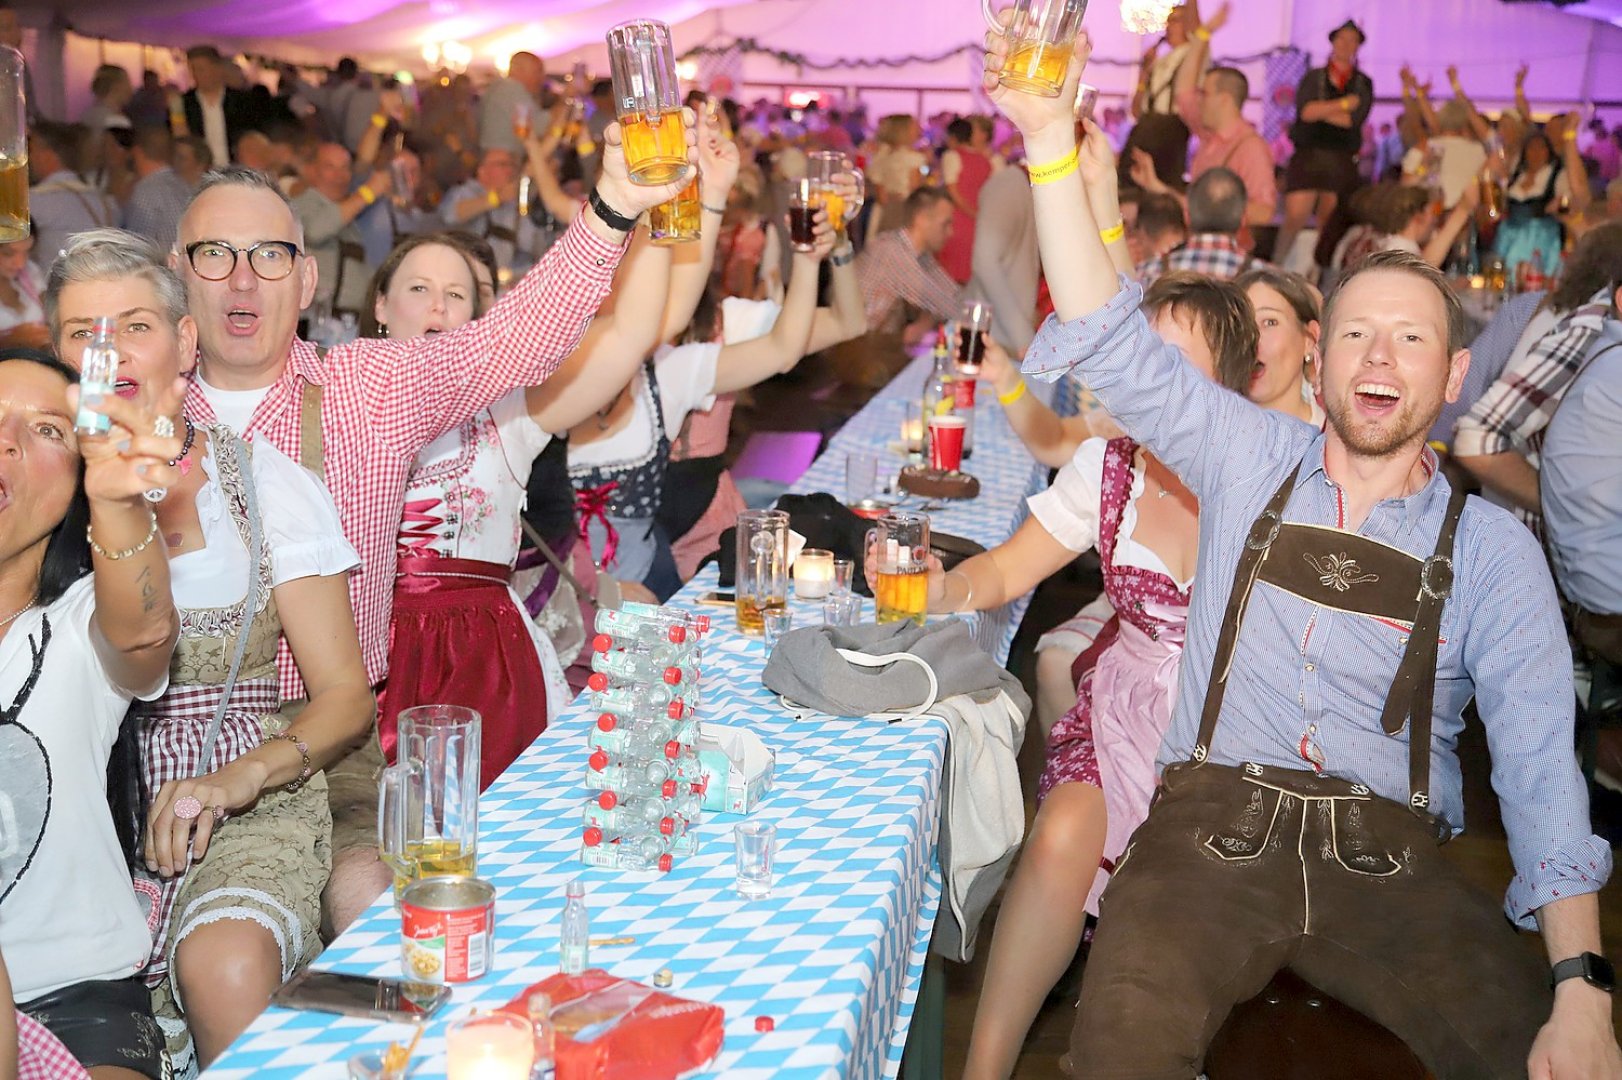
<point>457,638</point>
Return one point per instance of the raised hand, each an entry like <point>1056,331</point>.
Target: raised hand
<point>718,161</point>
<point>1520,75</point>
<point>1143,171</point>
<point>615,185</point>
<point>823,236</point>
<point>1034,115</point>
<point>1219,20</point>
<point>131,458</point>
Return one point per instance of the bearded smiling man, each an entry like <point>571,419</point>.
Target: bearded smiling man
<point>1350,605</point>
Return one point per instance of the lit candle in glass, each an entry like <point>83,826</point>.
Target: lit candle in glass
<point>912,432</point>
<point>490,1046</point>
<point>813,573</point>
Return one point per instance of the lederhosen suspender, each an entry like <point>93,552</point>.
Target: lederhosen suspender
<point>1342,570</point>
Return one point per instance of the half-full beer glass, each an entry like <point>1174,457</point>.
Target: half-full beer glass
<point>647,98</point>
<point>1041,35</point>
<point>762,574</point>
<point>821,167</point>
<point>13,148</point>
<point>679,220</point>
<point>902,549</point>
<point>428,801</point>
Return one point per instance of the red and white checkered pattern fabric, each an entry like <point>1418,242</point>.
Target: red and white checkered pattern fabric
<point>384,400</point>
<point>41,1055</point>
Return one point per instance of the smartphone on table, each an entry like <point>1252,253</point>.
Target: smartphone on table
<point>361,995</point>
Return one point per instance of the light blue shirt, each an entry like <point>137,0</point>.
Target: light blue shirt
<point>1582,480</point>
<point>1308,678</point>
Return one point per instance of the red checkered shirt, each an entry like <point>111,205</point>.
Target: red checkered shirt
<point>384,400</point>
<point>891,271</point>
<point>41,1055</point>
<point>1215,255</point>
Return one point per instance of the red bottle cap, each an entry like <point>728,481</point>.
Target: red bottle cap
<point>607,722</point>
<point>594,836</point>
<point>672,749</point>
<point>765,1023</point>
<point>678,634</point>
<point>665,863</point>
<point>667,826</point>
<point>602,643</point>
<point>598,760</point>
<point>701,623</point>
<point>701,786</point>
<point>668,789</point>
<point>608,800</point>
<point>597,682</point>
<point>673,676</point>
<point>675,709</point>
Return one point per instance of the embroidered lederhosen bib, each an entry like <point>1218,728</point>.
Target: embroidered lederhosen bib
<point>1348,572</point>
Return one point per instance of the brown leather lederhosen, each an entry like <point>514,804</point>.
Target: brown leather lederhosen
<point>1241,871</point>
<point>1348,572</point>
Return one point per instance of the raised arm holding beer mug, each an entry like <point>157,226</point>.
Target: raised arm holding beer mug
<point>1290,700</point>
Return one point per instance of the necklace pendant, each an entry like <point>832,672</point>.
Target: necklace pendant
<point>155,495</point>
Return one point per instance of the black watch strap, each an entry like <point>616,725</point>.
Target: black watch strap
<point>611,217</point>
<point>1591,968</point>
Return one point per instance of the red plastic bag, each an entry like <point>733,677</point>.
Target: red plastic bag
<point>614,1029</point>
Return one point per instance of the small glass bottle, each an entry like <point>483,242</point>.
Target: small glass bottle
<point>98,374</point>
<point>574,936</point>
<point>540,1019</point>
<point>940,395</point>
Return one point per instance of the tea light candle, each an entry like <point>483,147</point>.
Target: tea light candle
<point>490,1046</point>
<point>912,432</point>
<point>813,573</point>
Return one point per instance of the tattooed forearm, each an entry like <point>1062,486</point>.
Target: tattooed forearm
<point>149,591</point>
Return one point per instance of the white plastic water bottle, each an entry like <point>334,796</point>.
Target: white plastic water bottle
<point>574,936</point>
<point>98,375</point>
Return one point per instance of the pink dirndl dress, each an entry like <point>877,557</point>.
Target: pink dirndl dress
<point>1123,703</point>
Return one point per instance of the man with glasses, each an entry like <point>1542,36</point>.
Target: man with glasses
<point>358,414</point>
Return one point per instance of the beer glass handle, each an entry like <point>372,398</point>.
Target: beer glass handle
<point>991,17</point>
<point>396,787</point>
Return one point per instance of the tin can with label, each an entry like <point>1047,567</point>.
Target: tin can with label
<point>447,929</point>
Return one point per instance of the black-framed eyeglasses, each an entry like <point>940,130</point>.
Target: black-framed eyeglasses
<point>215,260</point>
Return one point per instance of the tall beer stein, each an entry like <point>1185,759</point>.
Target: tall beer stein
<point>428,801</point>
<point>647,97</point>
<point>1041,35</point>
<point>901,542</point>
<point>822,166</point>
<point>13,148</point>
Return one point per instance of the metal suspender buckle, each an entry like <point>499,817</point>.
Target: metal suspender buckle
<point>1419,800</point>
<point>1265,530</point>
<point>1436,577</point>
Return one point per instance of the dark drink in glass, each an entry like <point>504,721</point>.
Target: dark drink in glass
<point>802,218</point>
<point>971,349</point>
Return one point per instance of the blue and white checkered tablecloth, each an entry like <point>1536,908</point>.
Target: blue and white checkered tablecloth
<point>834,956</point>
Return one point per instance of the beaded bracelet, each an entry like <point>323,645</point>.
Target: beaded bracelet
<point>115,556</point>
<point>304,751</point>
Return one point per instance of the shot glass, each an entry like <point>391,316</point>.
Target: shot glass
<point>841,610</point>
<point>777,623</point>
<point>844,573</point>
<point>753,842</point>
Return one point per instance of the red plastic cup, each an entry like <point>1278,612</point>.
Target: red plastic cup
<point>946,442</point>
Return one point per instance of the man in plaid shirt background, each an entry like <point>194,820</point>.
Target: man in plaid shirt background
<point>1216,213</point>
<point>359,414</point>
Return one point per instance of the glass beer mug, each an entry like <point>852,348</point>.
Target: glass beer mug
<point>647,98</point>
<point>762,573</point>
<point>13,148</point>
<point>678,221</point>
<point>428,801</point>
<point>821,167</point>
<point>901,542</point>
<point>1041,35</point>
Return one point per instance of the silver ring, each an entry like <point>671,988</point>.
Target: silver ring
<point>155,495</point>
<point>163,428</point>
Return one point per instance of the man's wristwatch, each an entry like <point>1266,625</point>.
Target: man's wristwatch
<point>1591,968</point>
<point>843,256</point>
<point>611,217</point>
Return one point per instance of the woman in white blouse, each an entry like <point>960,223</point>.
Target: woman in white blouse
<point>22,320</point>
<point>75,648</point>
<point>237,836</point>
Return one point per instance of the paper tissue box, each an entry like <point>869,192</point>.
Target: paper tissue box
<point>736,767</point>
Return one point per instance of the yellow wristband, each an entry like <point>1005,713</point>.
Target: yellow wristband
<point>1013,395</point>
<point>494,198</point>
<point>1115,232</point>
<point>379,120</point>
<point>1057,170</point>
<point>367,195</point>
<point>1202,33</point>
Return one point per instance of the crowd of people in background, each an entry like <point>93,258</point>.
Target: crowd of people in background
<point>355,308</point>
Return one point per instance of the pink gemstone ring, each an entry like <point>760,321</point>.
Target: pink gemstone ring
<point>188,807</point>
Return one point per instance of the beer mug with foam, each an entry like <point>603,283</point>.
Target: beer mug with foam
<point>1041,35</point>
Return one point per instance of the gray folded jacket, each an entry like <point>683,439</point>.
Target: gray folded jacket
<point>806,669</point>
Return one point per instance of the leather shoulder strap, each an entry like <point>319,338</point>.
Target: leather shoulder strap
<point>311,445</point>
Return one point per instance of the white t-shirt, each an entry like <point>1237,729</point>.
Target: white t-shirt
<point>1462,160</point>
<point>302,533</point>
<point>467,489</point>
<point>68,913</point>
<point>1069,509</point>
<point>233,408</point>
<point>1530,185</point>
<point>30,286</point>
<point>686,376</point>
